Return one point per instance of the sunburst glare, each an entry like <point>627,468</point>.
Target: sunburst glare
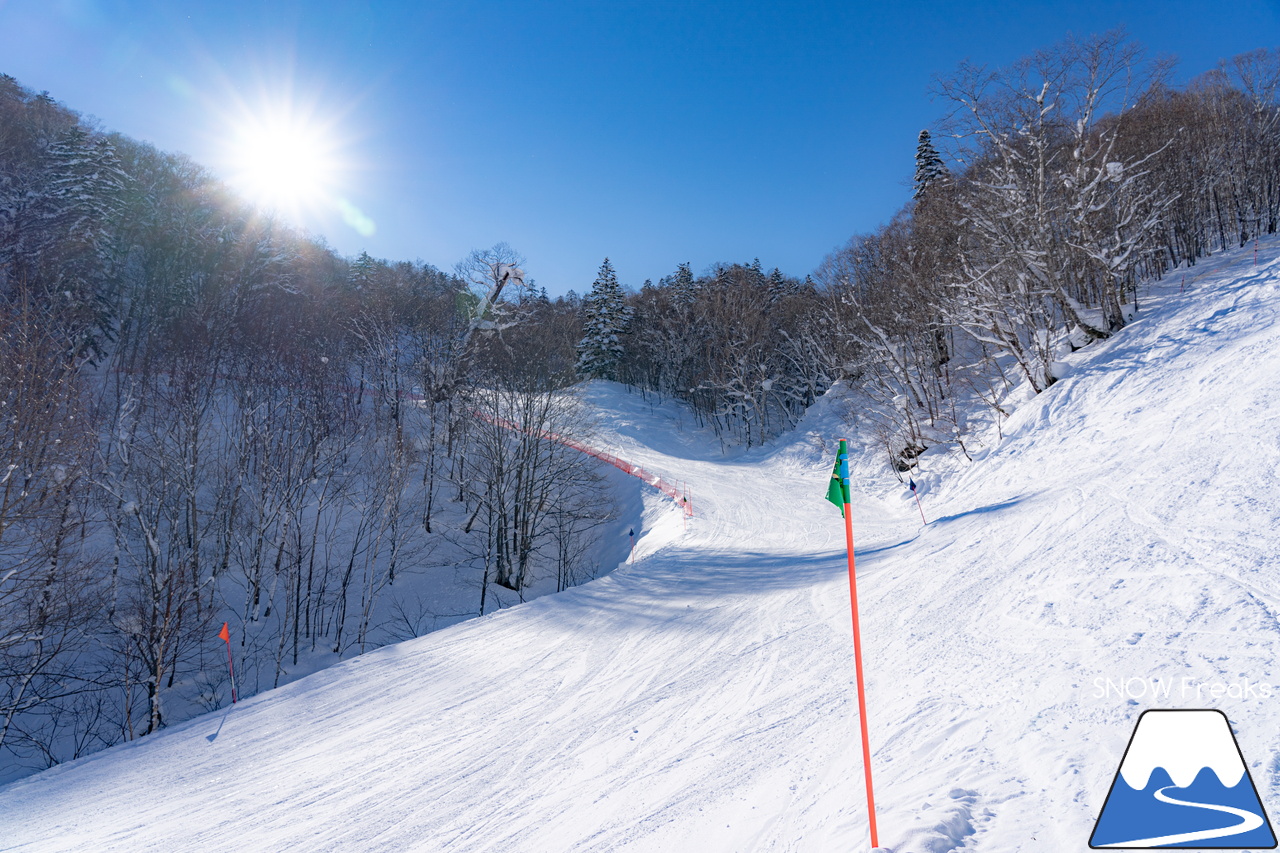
<point>290,161</point>
<point>282,163</point>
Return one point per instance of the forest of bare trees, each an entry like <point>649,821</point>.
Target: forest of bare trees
<point>208,417</point>
<point>1076,176</point>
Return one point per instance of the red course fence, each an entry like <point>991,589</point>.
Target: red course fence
<point>679,492</point>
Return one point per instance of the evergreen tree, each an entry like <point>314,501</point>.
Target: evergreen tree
<point>780,287</point>
<point>606,316</point>
<point>365,270</point>
<point>929,167</point>
<point>683,286</point>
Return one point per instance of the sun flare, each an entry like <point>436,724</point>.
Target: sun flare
<point>284,163</point>
<point>292,156</point>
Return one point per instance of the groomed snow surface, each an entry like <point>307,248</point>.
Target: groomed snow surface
<point>1123,529</point>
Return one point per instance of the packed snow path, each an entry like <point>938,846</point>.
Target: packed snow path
<point>1123,528</point>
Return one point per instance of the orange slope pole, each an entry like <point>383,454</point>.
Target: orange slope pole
<point>857,642</point>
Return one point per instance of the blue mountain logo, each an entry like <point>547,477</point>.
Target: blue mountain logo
<point>1183,783</point>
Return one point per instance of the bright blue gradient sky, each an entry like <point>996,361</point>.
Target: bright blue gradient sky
<point>652,132</point>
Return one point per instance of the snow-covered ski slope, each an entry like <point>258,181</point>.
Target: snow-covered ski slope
<point>1124,528</point>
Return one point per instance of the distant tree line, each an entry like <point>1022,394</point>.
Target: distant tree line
<point>748,350</point>
<point>1076,175</point>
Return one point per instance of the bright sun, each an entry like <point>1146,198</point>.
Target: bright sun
<point>285,164</point>
<point>290,157</point>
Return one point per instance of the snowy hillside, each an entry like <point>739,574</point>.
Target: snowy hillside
<point>1122,530</point>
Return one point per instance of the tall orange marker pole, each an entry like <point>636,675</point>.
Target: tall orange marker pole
<point>842,470</point>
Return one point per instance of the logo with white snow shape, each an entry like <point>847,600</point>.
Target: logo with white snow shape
<point>1183,782</point>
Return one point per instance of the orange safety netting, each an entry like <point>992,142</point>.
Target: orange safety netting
<point>679,492</point>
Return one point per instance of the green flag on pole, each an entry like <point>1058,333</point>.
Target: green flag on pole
<point>838,490</point>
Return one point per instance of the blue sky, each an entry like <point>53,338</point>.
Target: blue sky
<point>651,132</point>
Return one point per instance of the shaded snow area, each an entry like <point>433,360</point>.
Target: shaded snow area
<point>1123,529</point>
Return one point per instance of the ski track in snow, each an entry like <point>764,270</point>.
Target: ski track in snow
<point>703,699</point>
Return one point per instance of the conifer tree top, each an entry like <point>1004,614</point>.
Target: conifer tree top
<point>606,315</point>
<point>929,166</point>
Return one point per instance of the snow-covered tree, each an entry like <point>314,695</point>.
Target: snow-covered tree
<point>606,316</point>
<point>61,234</point>
<point>782,287</point>
<point>929,167</point>
<point>487,273</point>
<point>684,286</point>
<point>1058,220</point>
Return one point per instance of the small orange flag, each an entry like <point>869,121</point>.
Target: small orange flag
<point>224,635</point>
